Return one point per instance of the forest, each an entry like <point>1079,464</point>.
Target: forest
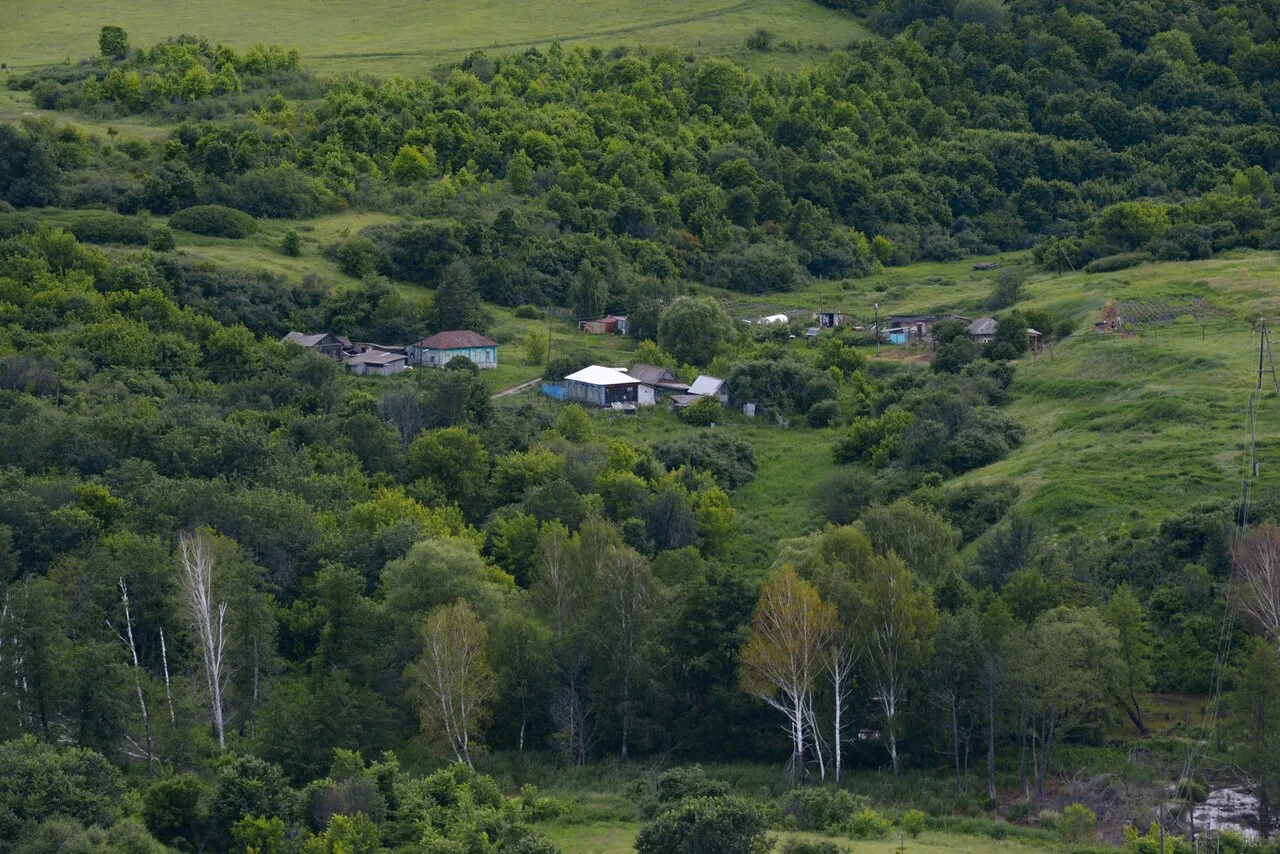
<point>251,602</point>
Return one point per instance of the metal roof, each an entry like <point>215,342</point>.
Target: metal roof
<point>983,326</point>
<point>305,339</point>
<point>706,385</point>
<point>456,339</point>
<point>600,375</point>
<point>376,357</point>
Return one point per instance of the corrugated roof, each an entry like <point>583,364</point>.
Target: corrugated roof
<point>304,339</point>
<point>650,374</point>
<point>706,385</point>
<point>983,326</point>
<point>456,339</point>
<point>600,375</point>
<point>376,357</point>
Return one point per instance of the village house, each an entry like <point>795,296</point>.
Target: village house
<point>661,380</point>
<point>324,343</point>
<point>982,330</point>
<point>607,387</point>
<point>443,347</point>
<point>377,361</point>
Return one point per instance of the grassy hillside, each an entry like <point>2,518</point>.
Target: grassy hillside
<point>1122,429</point>
<point>411,36</point>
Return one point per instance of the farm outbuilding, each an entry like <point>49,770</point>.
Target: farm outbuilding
<point>705,386</point>
<point>378,362</point>
<point>772,319</point>
<point>324,343</point>
<point>614,324</point>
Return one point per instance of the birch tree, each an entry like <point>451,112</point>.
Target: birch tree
<point>128,640</point>
<point>897,621</point>
<point>1256,564</point>
<point>786,652</point>
<point>625,600</point>
<point>451,679</point>
<point>208,618</point>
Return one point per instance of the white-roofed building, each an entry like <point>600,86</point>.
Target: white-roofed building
<point>597,385</point>
<point>705,386</point>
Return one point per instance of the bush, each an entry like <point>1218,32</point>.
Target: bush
<point>824,413</point>
<point>725,825</point>
<point>913,822</point>
<point>732,462</point>
<point>869,824</point>
<point>1048,819</point>
<point>280,193</point>
<point>530,312</point>
<point>291,244</point>
<point>102,227</point>
<point>1077,824</point>
<point>704,412</point>
<point>761,40</point>
<point>214,221</point>
<point>823,808</point>
<point>1123,261</point>
<point>356,256</point>
<point>844,494</point>
<point>678,784</point>
<point>161,239</point>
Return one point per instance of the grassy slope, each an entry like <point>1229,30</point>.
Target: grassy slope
<point>1123,429</point>
<point>411,36</point>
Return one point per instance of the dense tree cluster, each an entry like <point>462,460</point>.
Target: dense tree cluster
<point>1102,133</point>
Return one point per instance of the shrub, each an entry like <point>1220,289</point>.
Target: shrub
<point>1077,824</point>
<point>291,244</point>
<point>824,413</point>
<point>530,312</point>
<point>823,808</point>
<point>356,256</point>
<point>1048,819</point>
<point>102,227</point>
<point>1123,261</point>
<point>678,784</point>
<point>725,825</point>
<point>161,239</point>
<point>913,823</point>
<point>704,412</point>
<point>280,193</point>
<point>761,40</point>
<point>869,824</point>
<point>732,462</point>
<point>214,221</point>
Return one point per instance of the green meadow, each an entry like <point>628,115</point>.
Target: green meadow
<point>411,37</point>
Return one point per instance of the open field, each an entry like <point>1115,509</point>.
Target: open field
<point>412,36</point>
<point>618,838</point>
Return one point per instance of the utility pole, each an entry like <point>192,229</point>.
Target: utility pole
<point>877,306</point>
<point>1264,348</point>
<point>548,336</point>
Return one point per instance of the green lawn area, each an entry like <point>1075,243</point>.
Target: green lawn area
<point>411,36</point>
<point>618,838</point>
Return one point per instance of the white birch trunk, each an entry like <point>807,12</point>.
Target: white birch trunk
<point>209,619</point>
<point>137,675</point>
<point>168,691</point>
